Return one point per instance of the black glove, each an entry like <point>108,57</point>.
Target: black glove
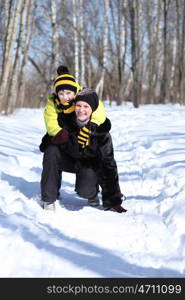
<point>46,140</point>
<point>72,147</point>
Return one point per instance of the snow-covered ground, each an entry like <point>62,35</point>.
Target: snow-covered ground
<point>81,241</point>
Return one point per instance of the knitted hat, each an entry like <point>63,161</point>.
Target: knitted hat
<point>89,96</point>
<point>64,80</point>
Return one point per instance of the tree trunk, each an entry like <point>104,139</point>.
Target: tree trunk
<point>10,41</point>
<point>100,85</point>
<point>82,45</point>
<point>76,38</point>
<point>13,90</point>
<point>121,51</point>
<point>132,9</point>
<point>163,88</point>
<point>182,61</point>
<point>55,61</point>
<point>28,31</point>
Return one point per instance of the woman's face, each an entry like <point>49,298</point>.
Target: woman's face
<point>83,111</point>
<point>66,95</point>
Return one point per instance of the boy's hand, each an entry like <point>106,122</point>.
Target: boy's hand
<point>61,137</point>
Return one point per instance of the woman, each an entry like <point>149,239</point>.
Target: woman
<point>95,164</point>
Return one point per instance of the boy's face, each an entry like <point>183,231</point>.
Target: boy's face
<point>83,111</point>
<point>66,95</point>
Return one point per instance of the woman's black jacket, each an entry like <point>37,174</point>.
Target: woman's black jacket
<point>99,155</point>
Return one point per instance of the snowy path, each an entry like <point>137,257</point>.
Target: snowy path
<point>80,241</point>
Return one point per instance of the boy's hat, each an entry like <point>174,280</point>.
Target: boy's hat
<point>64,81</point>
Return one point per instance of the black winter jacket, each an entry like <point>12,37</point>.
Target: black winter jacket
<point>99,155</point>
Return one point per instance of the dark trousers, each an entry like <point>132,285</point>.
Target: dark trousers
<point>54,162</point>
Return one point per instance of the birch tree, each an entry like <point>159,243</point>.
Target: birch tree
<point>76,37</point>
<point>118,14</point>
<point>100,85</point>
<point>164,79</point>
<point>15,53</point>
<point>13,14</point>
<point>13,80</point>
<point>28,32</point>
<point>122,49</point>
<point>152,64</point>
<point>55,61</point>
<point>135,94</point>
<point>82,45</point>
<point>182,61</point>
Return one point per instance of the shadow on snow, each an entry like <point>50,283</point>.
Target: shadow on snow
<point>102,262</point>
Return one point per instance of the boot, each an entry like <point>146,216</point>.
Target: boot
<point>117,208</point>
<point>50,206</point>
<point>94,201</point>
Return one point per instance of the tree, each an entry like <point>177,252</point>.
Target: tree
<point>15,53</point>
<point>9,60</point>
<point>134,52</point>
<point>182,60</point>
<point>76,38</point>
<point>100,85</point>
<point>55,58</point>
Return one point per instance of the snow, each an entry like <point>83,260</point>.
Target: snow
<point>81,241</point>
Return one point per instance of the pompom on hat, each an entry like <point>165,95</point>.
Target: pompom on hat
<point>65,81</point>
<point>89,96</point>
<point>62,70</point>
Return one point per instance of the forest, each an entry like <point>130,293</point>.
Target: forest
<point>126,50</point>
